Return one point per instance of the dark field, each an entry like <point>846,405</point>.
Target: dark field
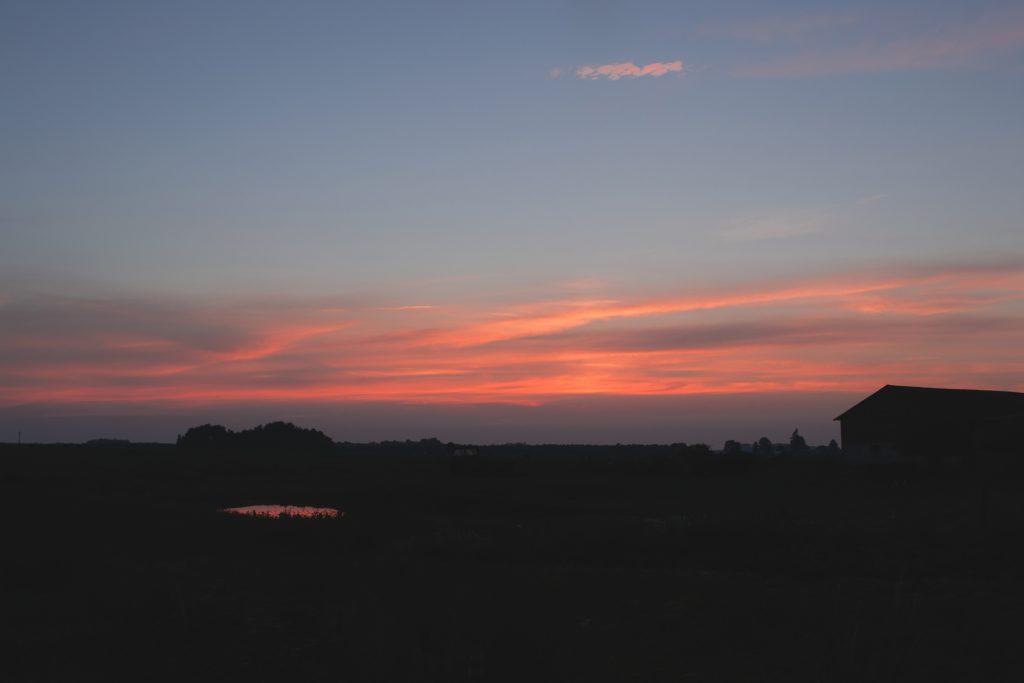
<point>594,565</point>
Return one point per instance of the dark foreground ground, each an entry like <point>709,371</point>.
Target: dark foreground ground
<point>117,566</point>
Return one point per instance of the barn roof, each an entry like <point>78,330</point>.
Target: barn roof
<point>955,403</point>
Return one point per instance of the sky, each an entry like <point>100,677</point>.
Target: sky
<point>512,221</point>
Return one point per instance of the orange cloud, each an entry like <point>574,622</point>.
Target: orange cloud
<point>617,70</point>
<point>843,290</point>
<point>957,325</point>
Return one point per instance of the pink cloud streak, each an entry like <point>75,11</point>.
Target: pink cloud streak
<point>957,47</point>
<point>617,70</point>
<point>772,28</point>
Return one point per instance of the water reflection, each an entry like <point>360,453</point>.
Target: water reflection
<point>285,511</point>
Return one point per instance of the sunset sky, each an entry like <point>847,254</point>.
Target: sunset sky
<point>509,221</point>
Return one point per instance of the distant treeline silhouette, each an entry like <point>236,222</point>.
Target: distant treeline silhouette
<point>273,443</point>
<point>273,436</point>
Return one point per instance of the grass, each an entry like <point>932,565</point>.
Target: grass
<point>118,566</point>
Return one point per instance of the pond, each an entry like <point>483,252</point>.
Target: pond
<point>285,511</point>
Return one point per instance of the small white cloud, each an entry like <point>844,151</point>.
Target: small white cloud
<point>772,226</point>
<point>871,199</point>
<point>586,284</point>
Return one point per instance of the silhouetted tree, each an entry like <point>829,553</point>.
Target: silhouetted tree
<point>797,443</point>
<point>732,447</point>
<point>833,447</point>
<point>764,446</point>
<point>279,436</point>
<point>206,436</point>
<point>271,437</point>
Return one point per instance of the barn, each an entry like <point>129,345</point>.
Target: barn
<point>898,424</point>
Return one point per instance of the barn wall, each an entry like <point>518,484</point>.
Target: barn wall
<point>871,440</point>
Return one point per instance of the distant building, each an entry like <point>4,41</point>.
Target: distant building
<point>916,424</point>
